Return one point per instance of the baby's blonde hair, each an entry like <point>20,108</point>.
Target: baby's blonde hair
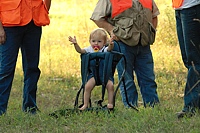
<point>99,32</point>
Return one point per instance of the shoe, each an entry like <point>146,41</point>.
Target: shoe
<point>32,111</point>
<point>182,114</point>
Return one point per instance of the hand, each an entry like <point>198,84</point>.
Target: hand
<point>2,35</point>
<point>72,40</point>
<point>196,20</point>
<point>111,41</point>
<point>111,44</point>
<point>113,36</point>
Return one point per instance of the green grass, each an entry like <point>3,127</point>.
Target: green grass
<point>60,81</point>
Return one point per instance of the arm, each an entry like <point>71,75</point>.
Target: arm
<point>2,34</point>
<point>111,45</point>
<point>107,26</point>
<point>104,24</point>
<point>155,22</point>
<point>76,46</point>
<point>48,4</point>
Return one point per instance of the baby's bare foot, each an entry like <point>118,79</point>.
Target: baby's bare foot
<point>110,106</point>
<point>83,107</point>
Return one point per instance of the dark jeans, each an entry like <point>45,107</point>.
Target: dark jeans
<point>139,60</point>
<point>188,32</point>
<point>28,39</point>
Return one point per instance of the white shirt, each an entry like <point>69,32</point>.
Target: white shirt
<point>188,4</point>
<point>91,50</point>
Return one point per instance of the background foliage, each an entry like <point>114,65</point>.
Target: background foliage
<point>60,80</point>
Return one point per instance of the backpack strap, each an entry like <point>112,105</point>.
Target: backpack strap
<point>84,67</point>
<point>111,59</point>
<point>107,70</point>
<point>84,73</point>
<point>96,71</point>
<point>107,73</point>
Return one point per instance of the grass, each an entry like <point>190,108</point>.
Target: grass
<point>60,81</point>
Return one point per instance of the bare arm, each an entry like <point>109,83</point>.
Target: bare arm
<point>2,34</point>
<point>47,3</point>
<point>104,24</point>
<point>78,49</point>
<point>111,45</point>
<point>155,22</point>
<point>76,46</point>
<point>107,26</point>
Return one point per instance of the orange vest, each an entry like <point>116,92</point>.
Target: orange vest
<point>118,6</point>
<point>177,3</point>
<point>21,12</point>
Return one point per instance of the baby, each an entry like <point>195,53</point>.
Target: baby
<point>98,40</point>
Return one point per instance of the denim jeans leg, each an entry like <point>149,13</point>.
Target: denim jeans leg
<point>144,69</point>
<point>28,38</point>
<point>189,41</point>
<point>30,50</point>
<point>132,94</point>
<point>8,57</point>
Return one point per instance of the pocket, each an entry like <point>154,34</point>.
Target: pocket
<point>41,15</point>
<point>123,22</point>
<point>10,12</point>
<point>122,28</point>
<point>125,30</point>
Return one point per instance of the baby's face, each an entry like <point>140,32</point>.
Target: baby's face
<point>97,41</point>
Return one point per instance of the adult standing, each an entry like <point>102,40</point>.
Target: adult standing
<point>186,13</point>
<point>20,27</point>
<point>138,54</point>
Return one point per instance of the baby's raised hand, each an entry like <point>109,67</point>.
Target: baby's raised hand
<point>72,40</point>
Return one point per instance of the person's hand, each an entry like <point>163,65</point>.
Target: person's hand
<point>2,35</point>
<point>111,41</point>
<point>113,36</point>
<point>72,40</point>
<point>196,20</point>
<point>111,44</point>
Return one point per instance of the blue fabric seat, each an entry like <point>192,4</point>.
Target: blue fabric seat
<point>93,62</point>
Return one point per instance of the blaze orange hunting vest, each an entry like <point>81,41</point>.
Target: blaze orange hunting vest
<point>21,12</point>
<point>177,3</point>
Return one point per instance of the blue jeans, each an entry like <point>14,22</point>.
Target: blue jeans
<point>139,60</point>
<point>28,39</point>
<point>188,32</point>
